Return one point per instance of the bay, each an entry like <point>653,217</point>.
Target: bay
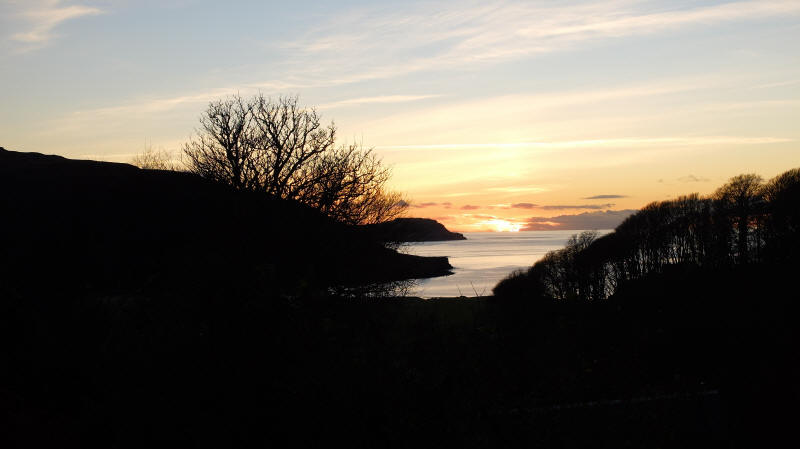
<point>485,258</point>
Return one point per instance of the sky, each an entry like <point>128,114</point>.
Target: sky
<point>501,115</point>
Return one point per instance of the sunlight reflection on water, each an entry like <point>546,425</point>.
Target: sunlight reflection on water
<point>481,261</point>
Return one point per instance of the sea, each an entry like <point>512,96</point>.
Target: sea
<point>483,260</point>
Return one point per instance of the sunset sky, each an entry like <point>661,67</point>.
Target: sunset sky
<point>494,115</point>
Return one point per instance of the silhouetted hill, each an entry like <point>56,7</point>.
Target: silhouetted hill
<point>411,230</point>
<point>114,226</point>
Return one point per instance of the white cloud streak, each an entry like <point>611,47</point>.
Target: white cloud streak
<point>602,143</point>
<point>42,17</point>
<point>385,99</point>
<point>148,107</point>
<point>487,119</point>
<point>459,35</point>
<point>439,36</point>
<point>778,84</point>
<point>157,104</point>
<point>451,35</point>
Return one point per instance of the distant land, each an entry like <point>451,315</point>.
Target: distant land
<point>411,230</point>
<point>115,226</point>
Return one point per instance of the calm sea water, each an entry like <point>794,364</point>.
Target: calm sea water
<point>481,261</point>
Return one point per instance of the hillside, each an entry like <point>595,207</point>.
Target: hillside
<point>114,226</point>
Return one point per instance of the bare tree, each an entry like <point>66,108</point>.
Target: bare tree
<point>284,150</point>
<point>223,148</point>
<point>154,159</point>
<point>289,141</point>
<point>348,185</point>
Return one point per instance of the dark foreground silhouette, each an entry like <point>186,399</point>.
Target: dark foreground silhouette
<point>219,369</point>
<point>701,288</point>
<point>114,227</point>
<point>117,331</point>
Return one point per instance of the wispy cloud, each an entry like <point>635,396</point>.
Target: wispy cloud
<point>424,205</point>
<point>749,106</point>
<point>475,33</point>
<point>690,178</point>
<point>154,105</point>
<point>519,105</point>
<point>481,216</point>
<point>693,178</point>
<point>458,194</point>
<point>385,99</point>
<point>537,206</point>
<point>609,219</point>
<point>517,189</point>
<point>41,19</point>
<point>393,42</point>
<point>604,197</point>
<point>577,206</point>
<point>596,143</point>
<point>452,117</point>
<point>777,84</point>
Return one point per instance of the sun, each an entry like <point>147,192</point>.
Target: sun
<point>498,225</point>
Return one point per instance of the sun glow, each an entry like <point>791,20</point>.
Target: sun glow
<point>498,225</point>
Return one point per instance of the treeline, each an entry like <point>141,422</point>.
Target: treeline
<point>746,221</point>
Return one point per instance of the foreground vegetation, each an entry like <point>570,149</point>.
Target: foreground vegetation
<point>662,364</point>
<point>164,310</point>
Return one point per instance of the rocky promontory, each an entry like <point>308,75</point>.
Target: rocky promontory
<point>411,230</point>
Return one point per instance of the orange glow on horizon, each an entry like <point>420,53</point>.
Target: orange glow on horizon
<point>498,225</point>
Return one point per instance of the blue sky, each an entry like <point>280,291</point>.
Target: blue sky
<point>484,104</point>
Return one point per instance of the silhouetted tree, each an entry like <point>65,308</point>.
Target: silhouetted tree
<point>348,185</point>
<point>742,222</point>
<point>223,149</point>
<point>740,201</point>
<point>561,274</point>
<point>282,149</point>
<point>782,194</point>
